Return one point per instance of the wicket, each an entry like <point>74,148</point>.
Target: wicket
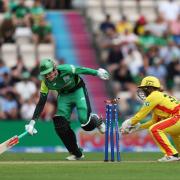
<point>111,120</point>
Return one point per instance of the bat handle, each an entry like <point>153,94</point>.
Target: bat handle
<point>22,135</point>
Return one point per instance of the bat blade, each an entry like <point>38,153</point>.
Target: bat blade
<point>8,144</point>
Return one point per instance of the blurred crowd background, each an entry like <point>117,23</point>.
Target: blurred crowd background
<point>130,38</point>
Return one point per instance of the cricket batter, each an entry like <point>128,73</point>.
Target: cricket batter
<point>66,80</point>
<point>165,118</point>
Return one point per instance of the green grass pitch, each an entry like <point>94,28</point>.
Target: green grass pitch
<point>52,166</point>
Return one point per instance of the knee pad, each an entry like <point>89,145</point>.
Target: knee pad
<point>61,123</point>
<point>93,122</point>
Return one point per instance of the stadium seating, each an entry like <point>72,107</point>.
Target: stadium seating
<point>9,54</point>
<point>95,12</point>
<point>23,35</point>
<point>28,54</point>
<point>148,9</point>
<point>45,50</point>
<point>129,9</point>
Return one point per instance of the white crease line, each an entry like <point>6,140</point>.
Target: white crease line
<point>71,162</point>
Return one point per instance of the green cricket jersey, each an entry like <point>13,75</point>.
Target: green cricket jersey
<point>67,78</point>
<point>67,81</point>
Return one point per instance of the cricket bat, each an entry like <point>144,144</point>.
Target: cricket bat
<point>11,142</point>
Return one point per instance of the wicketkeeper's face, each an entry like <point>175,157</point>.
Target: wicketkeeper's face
<point>145,91</point>
<point>52,75</point>
<point>141,93</point>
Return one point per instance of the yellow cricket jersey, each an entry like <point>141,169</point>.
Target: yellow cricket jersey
<point>160,104</point>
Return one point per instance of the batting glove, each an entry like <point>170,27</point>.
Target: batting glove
<point>103,74</point>
<point>30,127</point>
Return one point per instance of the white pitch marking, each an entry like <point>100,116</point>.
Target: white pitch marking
<point>71,162</point>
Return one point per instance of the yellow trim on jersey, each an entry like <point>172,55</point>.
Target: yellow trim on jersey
<point>73,69</point>
<point>44,88</point>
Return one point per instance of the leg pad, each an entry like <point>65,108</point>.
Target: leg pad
<point>67,135</point>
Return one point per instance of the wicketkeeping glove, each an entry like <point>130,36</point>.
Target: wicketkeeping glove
<point>30,127</point>
<point>103,74</point>
<point>130,129</point>
<point>135,128</point>
<point>127,128</point>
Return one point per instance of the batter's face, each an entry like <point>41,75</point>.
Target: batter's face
<point>52,75</point>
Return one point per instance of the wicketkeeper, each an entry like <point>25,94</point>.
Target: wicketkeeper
<point>66,80</point>
<point>165,118</point>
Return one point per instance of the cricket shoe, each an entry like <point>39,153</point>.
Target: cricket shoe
<point>74,158</point>
<point>168,159</point>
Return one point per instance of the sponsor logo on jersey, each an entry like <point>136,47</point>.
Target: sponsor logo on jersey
<point>146,103</point>
<point>66,78</point>
<point>83,98</point>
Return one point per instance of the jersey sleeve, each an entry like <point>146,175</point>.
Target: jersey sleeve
<point>84,70</point>
<point>71,69</point>
<point>40,106</point>
<point>150,122</point>
<point>44,89</point>
<point>42,101</point>
<point>151,101</point>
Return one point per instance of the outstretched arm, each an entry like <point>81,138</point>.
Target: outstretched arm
<point>149,123</point>
<point>128,128</point>
<point>102,73</point>
<point>67,68</point>
<point>84,70</point>
<point>39,108</point>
